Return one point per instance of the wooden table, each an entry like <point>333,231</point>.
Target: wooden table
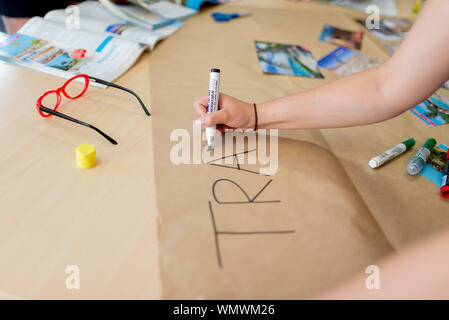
<point>53,214</point>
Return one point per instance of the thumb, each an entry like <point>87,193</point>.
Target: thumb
<point>214,118</point>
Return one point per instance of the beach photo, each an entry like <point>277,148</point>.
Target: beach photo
<point>286,59</point>
<point>344,61</point>
<point>341,37</point>
<point>31,49</point>
<point>434,168</point>
<point>434,111</point>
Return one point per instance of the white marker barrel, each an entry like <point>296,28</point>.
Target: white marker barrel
<point>214,92</point>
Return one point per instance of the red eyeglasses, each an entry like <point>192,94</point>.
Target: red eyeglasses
<point>72,91</point>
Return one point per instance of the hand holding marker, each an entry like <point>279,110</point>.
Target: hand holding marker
<point>214,92</point>
<point>419,160</point>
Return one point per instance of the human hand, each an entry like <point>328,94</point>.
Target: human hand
<point>232,113</point>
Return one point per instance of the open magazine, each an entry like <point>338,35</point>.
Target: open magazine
<point>94,17</point>
<point>104,46</point>
<point>50,47</point>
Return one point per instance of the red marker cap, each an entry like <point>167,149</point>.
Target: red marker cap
<point>445,192</point>
<point>445,183</point>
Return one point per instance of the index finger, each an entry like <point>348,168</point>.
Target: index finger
<point>201,105</point>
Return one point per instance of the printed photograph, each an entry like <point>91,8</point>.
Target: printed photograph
<point>392,47</point>
<point>341,37</point>
<point>434,168</point>
<point>386,7</point>
<point>23,47</point>
<point>118,28</point>
<point>390,29</point>
<point>26,48</point>
<point>437,158</point>
<point>344,61</point>
<point>434,111</point>
<point>287,59</point>
<point>445,85</point>
<point>63,61</point>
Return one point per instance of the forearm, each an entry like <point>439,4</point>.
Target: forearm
<point>377,94</point>
<point>419,272</point>
<point>349,101</point>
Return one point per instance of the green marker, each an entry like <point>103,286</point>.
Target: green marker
<point>391,153</point>
<point>420,158</point>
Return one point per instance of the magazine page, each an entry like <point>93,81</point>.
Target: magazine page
<point>167,9</point>
<point>196,4</point>
<point>49,47</point>
<point>386,7</point>
<point>94,17</point>
<point>390,29</point>
<point>137,15</point>
<point>345,61</point>
<point>17,50</point>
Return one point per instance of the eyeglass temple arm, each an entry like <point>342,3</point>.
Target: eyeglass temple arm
<point>110,84</point>
<point>63,116</point>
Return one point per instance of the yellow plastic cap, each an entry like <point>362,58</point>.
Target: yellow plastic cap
<point>86,156</point>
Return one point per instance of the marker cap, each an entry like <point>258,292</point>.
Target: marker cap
<point>86,156</point>
<point>445,183</point>
<point>445,192</point>
<point>215,70</point>
<point>430,144</point>
<point>409,143</point>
